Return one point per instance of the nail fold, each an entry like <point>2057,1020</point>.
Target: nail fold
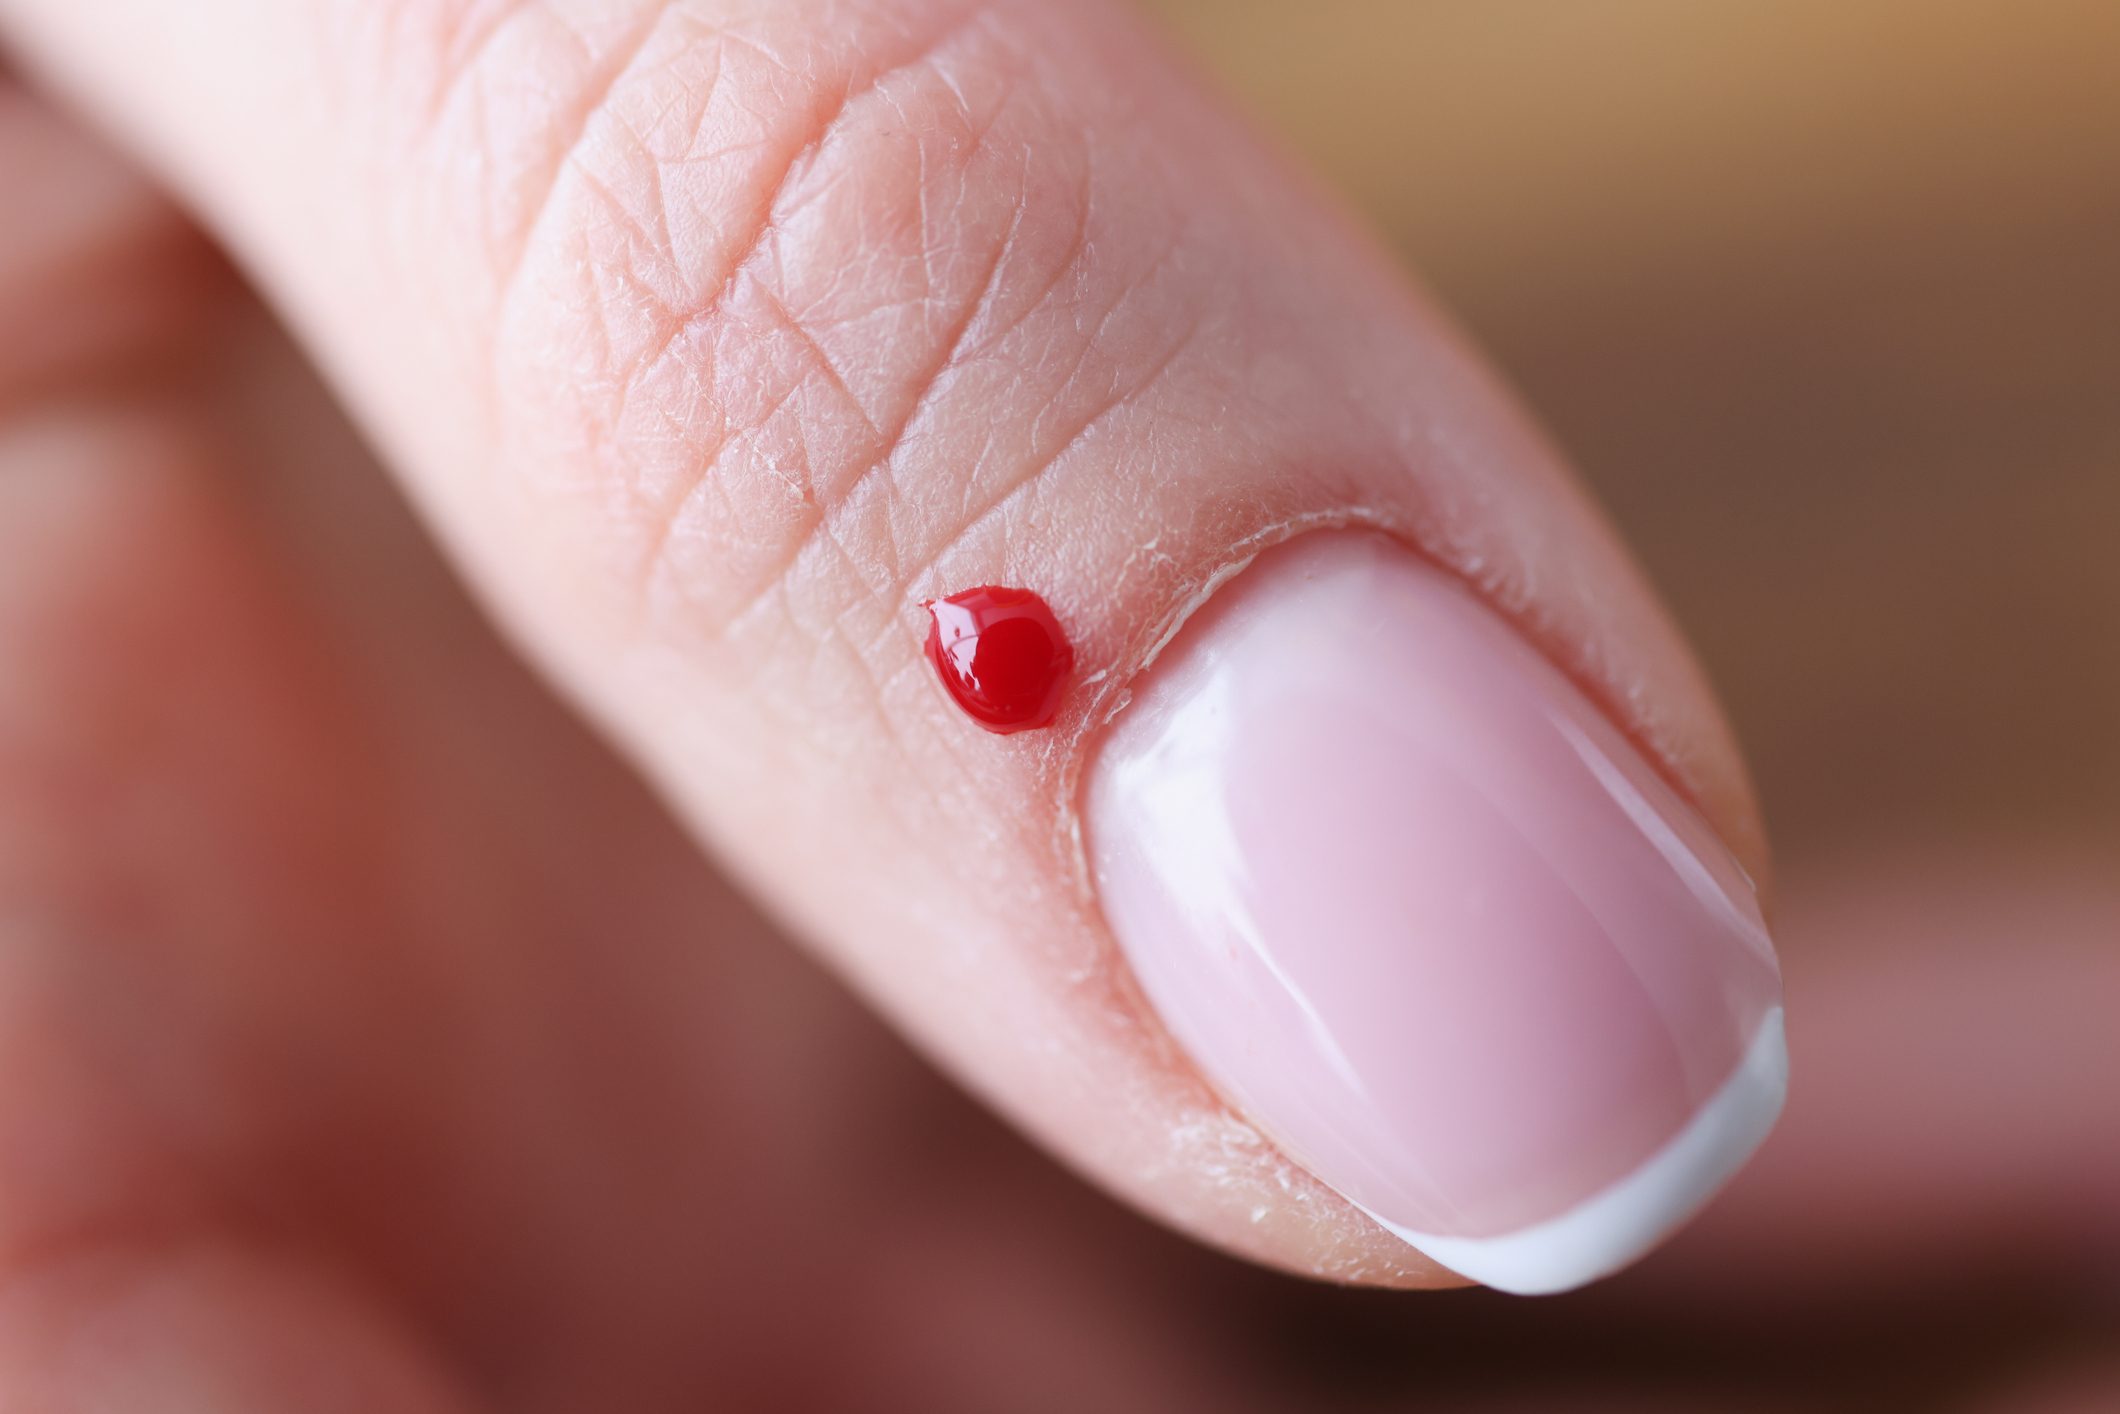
<point>1420,911</point>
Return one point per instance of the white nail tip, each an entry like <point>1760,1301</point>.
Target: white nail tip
<point>1611,1229</point>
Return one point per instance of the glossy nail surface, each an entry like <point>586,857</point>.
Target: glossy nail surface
<point>1422,913</point>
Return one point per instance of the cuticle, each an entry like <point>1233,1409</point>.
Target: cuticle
<point>1085,736</point>
<point>1117,680</point>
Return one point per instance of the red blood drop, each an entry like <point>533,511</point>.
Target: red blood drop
<point>1001,654</point>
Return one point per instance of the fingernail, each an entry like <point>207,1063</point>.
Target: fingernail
<point>1420,912</point>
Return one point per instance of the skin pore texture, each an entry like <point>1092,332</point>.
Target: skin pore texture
<point>373,1039</point>
<point>713,339</point>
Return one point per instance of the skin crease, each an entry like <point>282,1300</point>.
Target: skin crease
<point>752,332</point>
<point>577,1175</point>
<point>119,482</point>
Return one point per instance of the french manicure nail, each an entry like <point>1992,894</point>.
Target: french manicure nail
<point>1426,917</point>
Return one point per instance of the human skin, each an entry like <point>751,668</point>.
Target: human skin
<point>714,340</point>
<point>207,587</point>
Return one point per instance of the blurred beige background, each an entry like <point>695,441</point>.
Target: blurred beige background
<point>1824,299</point>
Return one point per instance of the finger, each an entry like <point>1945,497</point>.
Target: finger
<point>123,1282</point>
<point>179,1328</point>
<point>718,337</point>
<point>141,710</point>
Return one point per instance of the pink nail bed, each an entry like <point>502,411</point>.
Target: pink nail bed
<point>1420,911</point>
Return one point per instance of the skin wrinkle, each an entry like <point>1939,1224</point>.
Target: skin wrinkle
<point>1151,445</point>
<point>464,46</point>
<point>968,519</point>
<point>885,519</point>
<point>954,340</point>
<point>789,179</point>
<point>667,520</point>
<point>760,249</point>
<point>885,645</point>
<point>892,442</point>
<point>658,203</point>
<point>526,98</point>
<point>795,329</point>
<point>608,76</point>
<point>1070,259</point>
<point>971,520</point>
<point>970,516</point>
<point>878,683</point>
<point>622,219</point>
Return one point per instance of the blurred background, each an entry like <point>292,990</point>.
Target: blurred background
<point>1823,298</point>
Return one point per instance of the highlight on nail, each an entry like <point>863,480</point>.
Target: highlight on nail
<point>1427,918</point>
